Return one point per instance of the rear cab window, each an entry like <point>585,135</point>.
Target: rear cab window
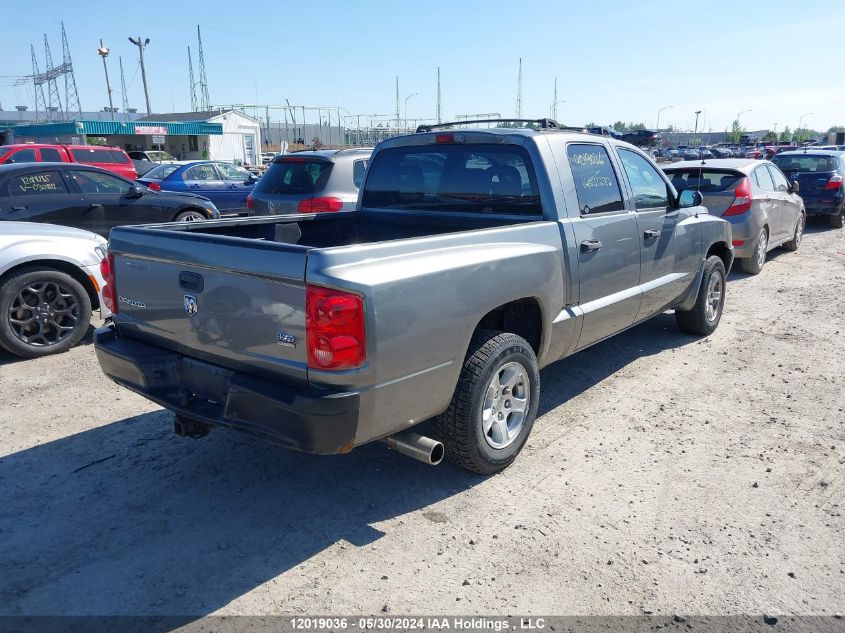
<point>475,178</point>
<point>596,184</point>
<point>295,175</point>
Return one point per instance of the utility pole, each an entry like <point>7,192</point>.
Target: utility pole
<point>697,112</point>
<point>123,89</point>
<point>398,113</point>
<point>439,101</point>
<point>519,91</point>
<point>142,44</point>
<point>104,52</point>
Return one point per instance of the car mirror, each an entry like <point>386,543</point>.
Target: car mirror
<point>794,187</point>
<point>136,191</point>
<point>251,180</point>
<point>690,198</point>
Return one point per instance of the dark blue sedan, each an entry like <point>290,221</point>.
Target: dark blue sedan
<point>226,185</point>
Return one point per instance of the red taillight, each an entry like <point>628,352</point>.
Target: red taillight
<point>742,199</point>
<point>250,202</point>
<point>737,242</point>
<point>834,183</point>
<point>109,289</point>
<point>320,205</point>
<point>334,329</point>
<point>444,138</point>
<point>154,186</point>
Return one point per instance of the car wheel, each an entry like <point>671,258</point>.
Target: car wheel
<point>795,242</point>
<point>836,221</point>
<point>494,405</point>
<point>42,312</point>
<point>754,264</point>
<point>705,315</point>
<point>191,215</point>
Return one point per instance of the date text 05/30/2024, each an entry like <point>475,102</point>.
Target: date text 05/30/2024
<point>404,623</point>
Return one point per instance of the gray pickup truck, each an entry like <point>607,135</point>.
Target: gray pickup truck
<point>473,259</point>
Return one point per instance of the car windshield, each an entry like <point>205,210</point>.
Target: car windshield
<point>454,177</point>
<point>806,162</point>
<point>298,175</point>
<point>704,179</point>
<point>161,172</point>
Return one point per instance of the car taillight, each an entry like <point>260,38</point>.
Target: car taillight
<point>250,202</point>
<point>834,183</point>
<point>154,186</point>
<point>334,329</point>
<point>319,205</point>
<point>109,289</point>
<point>742,199</point>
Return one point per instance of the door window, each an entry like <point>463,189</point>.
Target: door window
<point>92,182</point>
<point>36,184</point>
<point>232,172</point>
<point>50,155</point>
<point>649,188</point>
<point>23,156</point>
<point>358,169</point>
<point>781,184</point>
<point>595,181</point>
<point>764,180</point>
<point>205,171</point>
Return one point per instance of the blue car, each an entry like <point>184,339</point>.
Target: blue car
<point>821,179</point>
<point>226,185</point>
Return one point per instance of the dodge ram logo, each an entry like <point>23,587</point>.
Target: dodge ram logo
<point>191,306</point>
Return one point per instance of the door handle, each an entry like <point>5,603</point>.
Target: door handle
<point>19,208</point>
<point>195,186</point>
<point>651,234</point>
<point>95,205</point>
<point>588,246</point>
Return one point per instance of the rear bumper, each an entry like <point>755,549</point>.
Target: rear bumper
<point>823,206</point>
<point>310,420</point>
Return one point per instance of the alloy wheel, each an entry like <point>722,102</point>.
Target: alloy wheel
<point>44,313</point>
<point>505,405</point>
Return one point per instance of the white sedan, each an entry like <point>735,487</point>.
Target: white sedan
<point>50,281</point>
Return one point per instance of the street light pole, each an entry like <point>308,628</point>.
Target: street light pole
<point>104,52</point>
<point>695,133</point>
<point>657,126</point>
<point>142,44</point>
<point>413,94</point>
<point>800,123</point>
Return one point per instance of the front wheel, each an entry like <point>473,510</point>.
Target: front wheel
<point>797,236</point>
<point>191,215</point>
<point>705,315</point>
<point>494,405</point>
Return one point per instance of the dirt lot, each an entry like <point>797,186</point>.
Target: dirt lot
<point>666,474</point>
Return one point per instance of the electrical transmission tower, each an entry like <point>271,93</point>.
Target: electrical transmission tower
<point>53,99</point>
<point>439,100</point>
<point>519,92</point>
<point>192,83</point>
<point>38,86</point>
<point>204,101</point>
<point>71,94</point>
<point>123,87</point>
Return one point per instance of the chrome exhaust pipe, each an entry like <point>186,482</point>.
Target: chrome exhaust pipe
<point>418,446</point>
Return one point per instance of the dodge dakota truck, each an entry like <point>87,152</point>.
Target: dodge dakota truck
<point>474,257</point>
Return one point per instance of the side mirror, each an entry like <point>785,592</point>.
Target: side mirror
<point>794,187</point>
<point>690,198</point>
<point>136,191</point>
<point>251,180</point>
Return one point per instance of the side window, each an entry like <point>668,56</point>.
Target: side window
<point>50,155</point>
<point>781,183</point>
<point>358,169</point>
<point>764,180</point>
<point>231,172</point>
<point>649,188</point>
<point>96,182</point>
<point>37,184</point>
<point>23,156</point>
<point>595,181</point>
<point>205,171</point>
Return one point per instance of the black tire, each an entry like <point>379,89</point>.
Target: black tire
<point>754,264</point>
<point>190,215</point>
<point>836,221</point>
<point>699,320</point>
<point>797,236</point>
<point>36,305</point>
<point>460,427</point>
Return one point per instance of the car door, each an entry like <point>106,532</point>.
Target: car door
<point>769,203</point>
<point>789,205</point>
<point>608,246</point>
<point>239,183</point>
<point>108,198</point>
<point>204,180</point>
<point>42,196</point>
<point>669,250</point>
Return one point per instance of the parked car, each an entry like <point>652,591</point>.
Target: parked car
<point>109,158</point>
<point>820,174</point>
<point>642,138</point>
<point>669,153</point>
<point>310,182</point>
<point>604,131</point>
<point>50,281</point>
<point>763,207</point>
<point>90,198</point>
<point>152,155</point>
<point>472,259</point>
<point>688,153</point>
<point>226,185</point>
<point>756,153</point>
<point>832,148</point>
<point>705,153</point>
<point>721,152</point>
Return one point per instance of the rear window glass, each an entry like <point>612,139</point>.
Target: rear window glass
<point>704,179</point>
<point>118,156</point>
<point>474,177</point>
<point>294,176</point>
<point>806,162</point>
<point>161,172</point>
<point>93,156</point>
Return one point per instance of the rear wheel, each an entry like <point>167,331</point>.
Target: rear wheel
<point>795,242</point>
<point>705,315</point>
<point>754,264</point>
<point>836,221</point>
<point>42,312</point>
<point>191,215</point>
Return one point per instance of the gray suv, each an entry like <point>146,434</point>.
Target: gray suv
<point>310,182</point>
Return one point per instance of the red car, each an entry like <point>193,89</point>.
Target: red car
<point>110,158</point>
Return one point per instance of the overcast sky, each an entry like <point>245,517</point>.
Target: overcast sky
<point>777,59</point>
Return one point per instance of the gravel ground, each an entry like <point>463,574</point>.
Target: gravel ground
<point>666,474</point>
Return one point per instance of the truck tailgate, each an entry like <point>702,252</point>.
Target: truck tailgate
<point>174,292</point>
